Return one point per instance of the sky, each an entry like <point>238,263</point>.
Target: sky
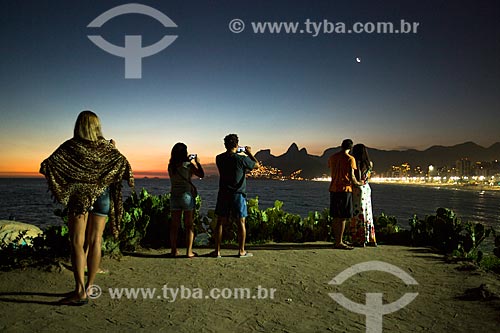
<point>438,86</point>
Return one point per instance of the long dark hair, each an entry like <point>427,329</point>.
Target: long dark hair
<point>360,153</point>
<point>177,157</point>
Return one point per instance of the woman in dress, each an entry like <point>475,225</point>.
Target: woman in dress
<point>182,195</point>
<point>85,175</point>
<point>362,227</point>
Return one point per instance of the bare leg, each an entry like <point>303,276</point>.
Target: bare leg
<point>174,231</point>
<point>77,225</point>
<point>338,230</point>
<point>188,224</point>
<point>86,249</point>
<point>218,234</point>
<point>96,225</point>
<point>242,235</point>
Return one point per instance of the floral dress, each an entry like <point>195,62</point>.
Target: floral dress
<point>362,227</point>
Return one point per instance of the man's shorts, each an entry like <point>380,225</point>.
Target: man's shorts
<point>231,205</point>
<point>102,205</point>
<point>341,205</point>
<point>184,201</point>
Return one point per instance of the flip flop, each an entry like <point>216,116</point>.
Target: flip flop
<point>246,255</point>
<point>343,247</point>
<point>214,254</point>
<point>73,301</point>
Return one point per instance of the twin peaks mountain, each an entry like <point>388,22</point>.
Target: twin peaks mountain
<point>316,166</point>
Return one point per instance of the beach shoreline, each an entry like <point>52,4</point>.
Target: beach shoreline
<point>442,185</point>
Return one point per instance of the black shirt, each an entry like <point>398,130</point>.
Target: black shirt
<point>232,168</point>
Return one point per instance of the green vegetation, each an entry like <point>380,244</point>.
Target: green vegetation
<point>274,224</point>
<point>446,232</point>
<point>387,231</point>
<point>460,240</point>
<point>54,243</point>
<point>146,223</point>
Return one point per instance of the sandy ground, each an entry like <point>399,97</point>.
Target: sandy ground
<point>298,272</point>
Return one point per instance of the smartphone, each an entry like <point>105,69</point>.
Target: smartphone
<point>191,156</point>
<point>240,149</point>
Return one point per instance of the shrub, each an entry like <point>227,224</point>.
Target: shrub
<point>496,250</point>
<point>45,249</point>
<point>491,263</point>
<point>387,230</point>
<point>146,222</point>
<point>317,227</point>
<point>448,234</point>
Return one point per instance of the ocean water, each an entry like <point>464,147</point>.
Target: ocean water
<point>27,199</point>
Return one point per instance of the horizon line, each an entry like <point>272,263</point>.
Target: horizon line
<point>163,174</point>
<point>137,174</point>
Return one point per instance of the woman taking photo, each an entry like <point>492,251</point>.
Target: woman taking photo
<point>362,228</point>
<point>182,195</point>
<point>85,175</point>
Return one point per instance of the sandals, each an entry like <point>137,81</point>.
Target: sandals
<point>214,254</point>
<point>246,255</point>
<point>73,301</point>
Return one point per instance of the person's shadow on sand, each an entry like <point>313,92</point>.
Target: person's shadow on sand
<point>19,297</point>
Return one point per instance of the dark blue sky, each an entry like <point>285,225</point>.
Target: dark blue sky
<point>438,86</point>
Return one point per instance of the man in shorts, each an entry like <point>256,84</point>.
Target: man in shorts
<point>342,166</point>
<point>231,199</point>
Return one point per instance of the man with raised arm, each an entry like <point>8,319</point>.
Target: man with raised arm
<point>231,199</point>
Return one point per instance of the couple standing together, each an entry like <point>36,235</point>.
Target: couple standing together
<point>350,195</point>
<point>231,198</point>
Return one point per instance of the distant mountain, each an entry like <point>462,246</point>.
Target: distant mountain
<point>294,159</point>
<point>315,166</point>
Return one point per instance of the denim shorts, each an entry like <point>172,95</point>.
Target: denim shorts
<point>231,205</point>
<point>184,201</point>
<point>101,205</point>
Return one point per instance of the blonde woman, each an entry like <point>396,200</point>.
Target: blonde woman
<point>85,174</point>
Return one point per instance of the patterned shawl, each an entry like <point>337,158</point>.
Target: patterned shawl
<point>79,171</point>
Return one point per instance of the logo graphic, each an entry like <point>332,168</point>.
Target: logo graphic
<point>133,52</point>
<point>236,26</point>
<point>374,309</point>
<point>94,291</point>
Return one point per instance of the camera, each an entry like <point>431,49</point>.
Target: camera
<point>240,150</point>
<point>191,157</point>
